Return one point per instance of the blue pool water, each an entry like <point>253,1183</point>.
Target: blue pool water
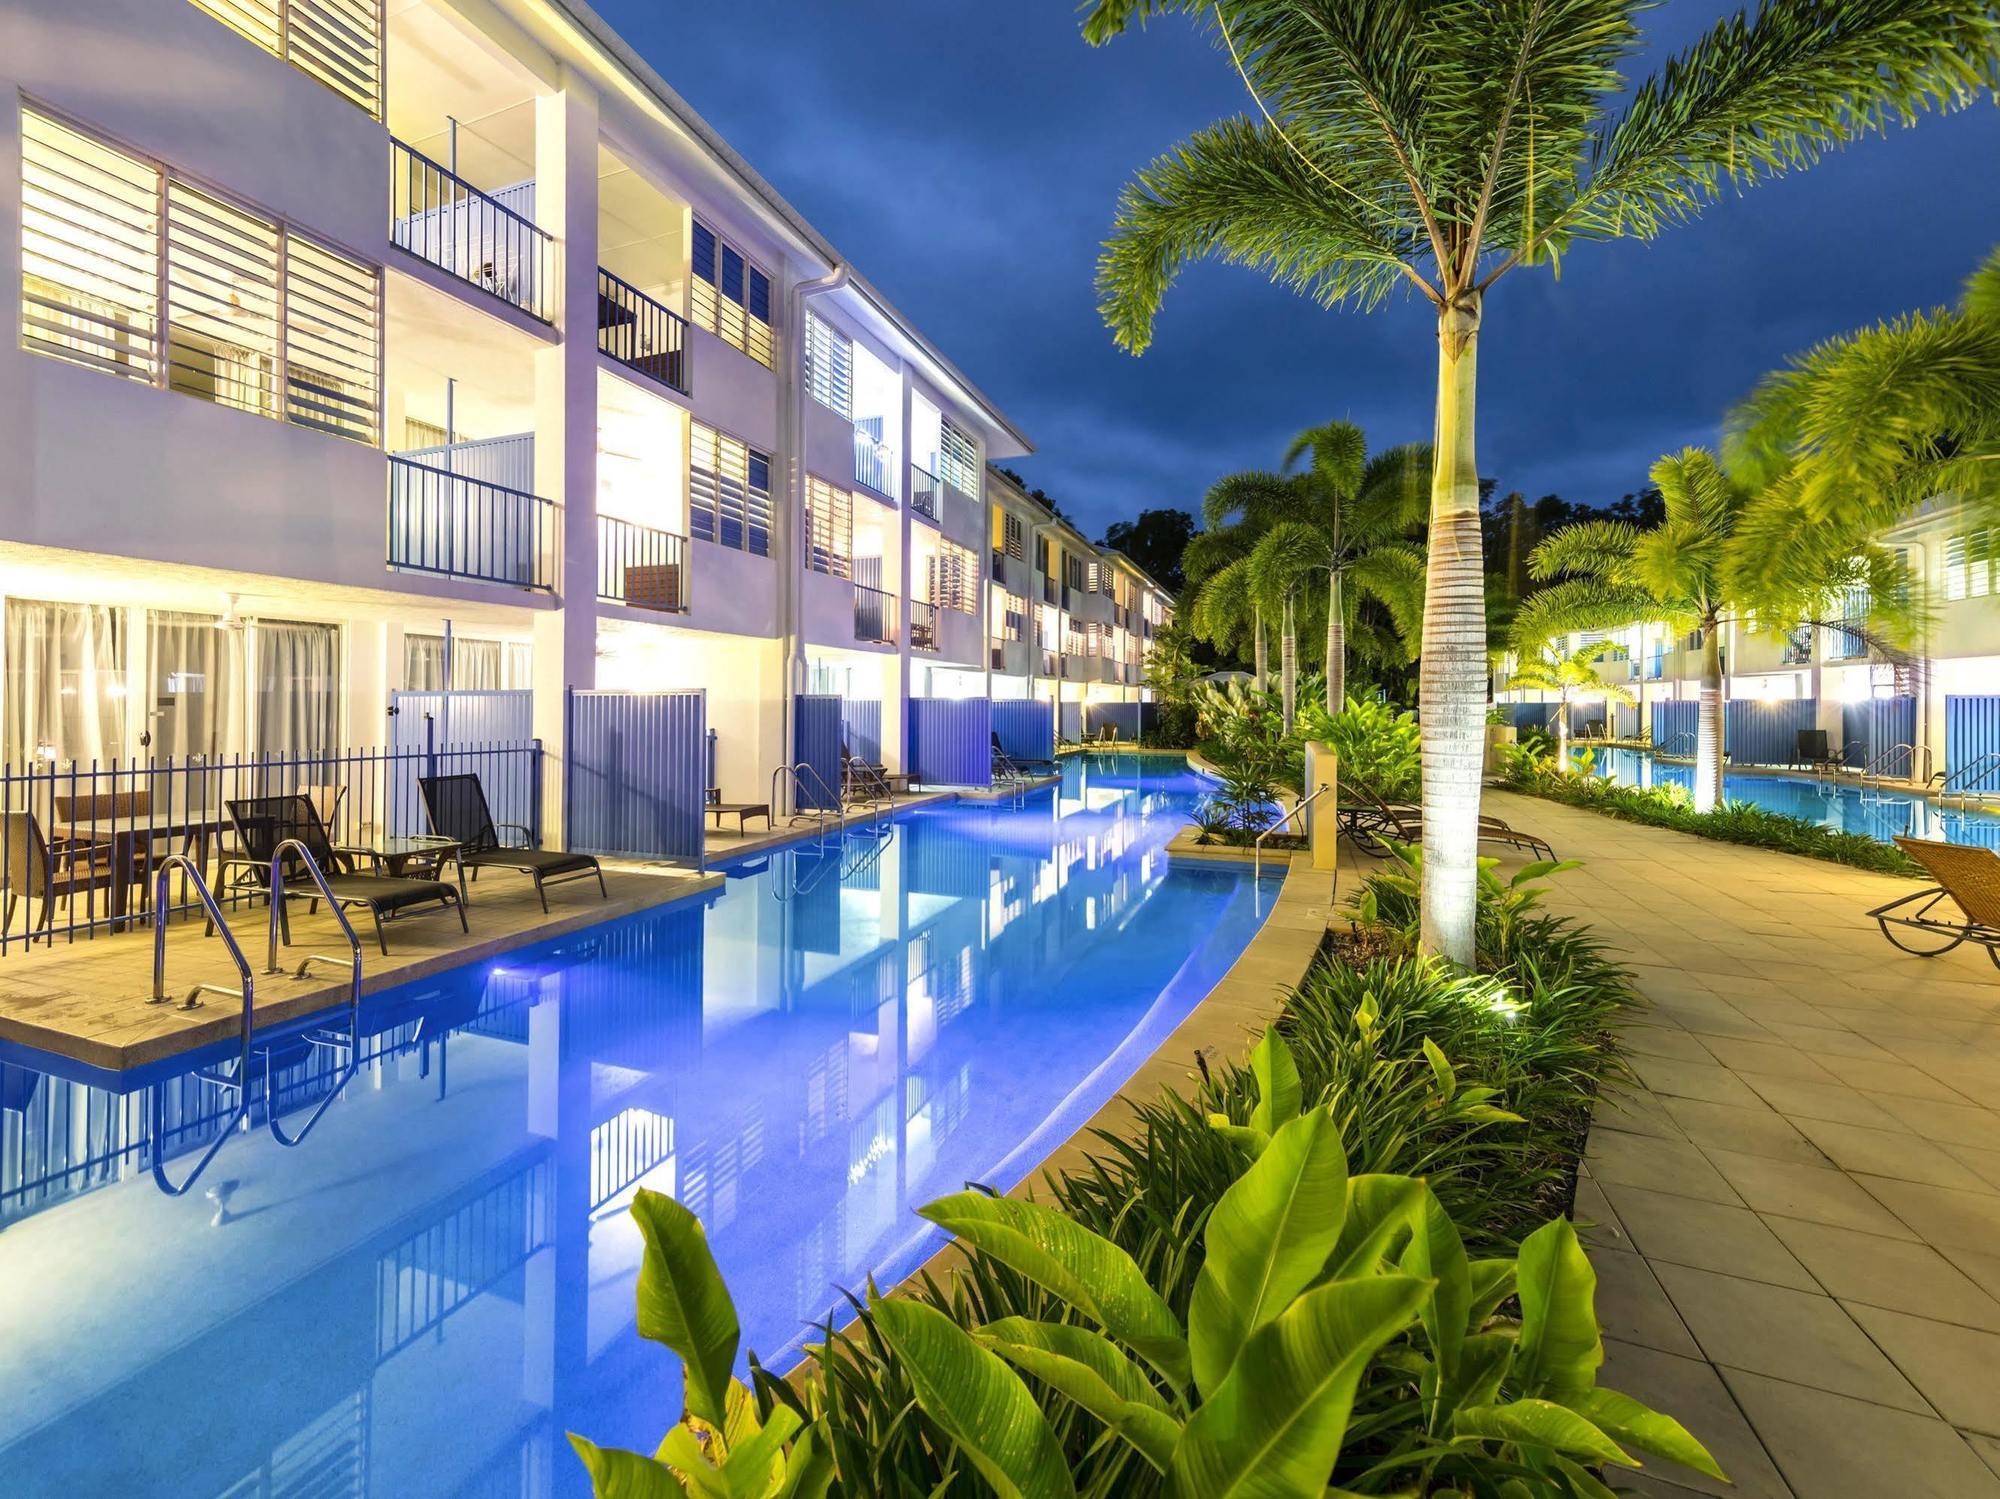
<point>427,1292</point>
<point>1834,803</point>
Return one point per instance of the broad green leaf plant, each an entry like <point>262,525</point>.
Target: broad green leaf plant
<point>1431,147</point>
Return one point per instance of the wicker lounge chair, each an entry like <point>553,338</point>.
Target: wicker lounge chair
<point>264,822</point>
<point>1968,878</point>
<point>1369,821</point>
<point>457,809</point>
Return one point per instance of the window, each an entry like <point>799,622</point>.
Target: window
<point>90,251</point>
<point>337,42</point>
<point>1968,565</point>
<point>829,367</point>
<point>958,459</point>
<point>65,683</point>
<point>954,578</point>
<point>1013,616</point>
<point>1015,547</point>
<point>475,666</point>
<point>829,528</point>
<point>244,296</point>
<point>731,296</point>
<point>729,491</point>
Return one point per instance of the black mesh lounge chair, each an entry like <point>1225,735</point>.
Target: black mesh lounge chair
<point>1967,877</point>
<point>1370,820</point>
<point>264,822</point>
<point>865,778</point>
<point>1812,750</point>
<point>1027,766</point>
<point>456,806</point>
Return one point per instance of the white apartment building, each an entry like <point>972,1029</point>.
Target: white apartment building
<point>1931,715</point>
<point>369,346</point>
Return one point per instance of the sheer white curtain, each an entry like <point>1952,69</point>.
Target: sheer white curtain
<point>65,682</point>
<point>196,681</point>
<point>423,663</point>
<point>298,687</point>
<point>476,665</point>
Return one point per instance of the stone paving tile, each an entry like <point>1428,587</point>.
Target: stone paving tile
<point>1836,1102</point>
<point>1697,1397</point>
<point>1942,1216</point>
<point>1898,1274</point>
<point>1651,1161</point>
<point>1857,1150</point>
<point>1829,1446</point>
<point>1818,1194</point>
<point>1754,1131</point>
<point>1951,1366</point>
<point>1632,1306</point>
<point>1800,1336</point>
<point>1707,1235</point>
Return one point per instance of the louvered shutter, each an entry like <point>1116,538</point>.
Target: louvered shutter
<point>90,251</point>
<point>829,368</point>
<point>701,302</point>
<point>758,509</point>
<point>332,341</point>
<point>702,496</point>
<point>757,343</point>
<point>958,459</point>
<point>222,302</point>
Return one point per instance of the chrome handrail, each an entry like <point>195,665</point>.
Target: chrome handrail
<point>1873,767</point>
<point>821,814</point>
<point>1257,846</point>
<point>1668,749</point>
<point>1985,764</point>
<point>163,870</point>
<point>318,877</point>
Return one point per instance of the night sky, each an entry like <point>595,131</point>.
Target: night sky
<point>967,158</point>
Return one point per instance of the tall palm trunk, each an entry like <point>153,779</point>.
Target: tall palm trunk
<point>1336,645</point>
<point>1288,666</point>
<point>1452,683</point>
<point>1562,733</point>
<point>1263,658</point>
<point>1708,724</point>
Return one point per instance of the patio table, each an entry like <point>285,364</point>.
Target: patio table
<point>125,834</point>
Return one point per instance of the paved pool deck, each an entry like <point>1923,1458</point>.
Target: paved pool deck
<point>1795,1207</point>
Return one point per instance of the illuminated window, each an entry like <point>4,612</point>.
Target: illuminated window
<point>90,251</point>
<point>829,368</point>
<point>1015,532</point>
<point>954,578</point>
<point>829,528</point>
<point>1968,565</point>
<point>731,296</point>
<point>244,296</point>
<point>729,491</point>
<point>338,42</point>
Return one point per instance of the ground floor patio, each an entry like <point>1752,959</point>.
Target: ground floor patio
<point>1795,1205</point>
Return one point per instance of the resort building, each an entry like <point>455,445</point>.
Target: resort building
<point>1930,715</point>
<point>379,348</point>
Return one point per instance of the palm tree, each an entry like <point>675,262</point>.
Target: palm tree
<point>1435,145</point>
<point>1877,420</point>
<point>1693,572</point>
<point>1221,608</point>
<point>1573,678</point>
<point>1351,517</point>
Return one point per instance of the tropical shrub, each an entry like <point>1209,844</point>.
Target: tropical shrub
<point>1732,822</point>
<point>1377,745</point>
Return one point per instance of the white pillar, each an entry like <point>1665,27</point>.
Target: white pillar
<point>566,423</point>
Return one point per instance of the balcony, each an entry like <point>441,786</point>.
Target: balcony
<point>1798,649</point>
<point>640,333</point>
<point>926,492</point>
<point>874,615</point>
<point>454,526</point>
<point>873,458</point>
<point>923,626</point>
<point>444,221</point>
<point>641,566</point>
<point>1844,642</point>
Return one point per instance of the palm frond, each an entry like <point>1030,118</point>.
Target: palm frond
<point>1394,494</point>
<point>1578,604</point>
<point>1590,549</point>
<point>1394,577</point>
<point>1339,454</point>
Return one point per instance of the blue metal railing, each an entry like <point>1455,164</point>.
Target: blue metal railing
<point>460,527</point>
<point>923,626</point>
<point>641,566</point>
<point>874,615</point>
<point>641,334</point>
<point>445,221</point>
<point>872,458</point>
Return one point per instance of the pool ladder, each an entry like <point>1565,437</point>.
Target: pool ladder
<point>1959,782</point>
<point>241,1082</point>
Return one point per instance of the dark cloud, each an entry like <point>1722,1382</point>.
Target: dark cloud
<point>968,159</point>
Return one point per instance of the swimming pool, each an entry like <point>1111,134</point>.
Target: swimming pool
<point>1834,803</point>
<point>438,1282</point>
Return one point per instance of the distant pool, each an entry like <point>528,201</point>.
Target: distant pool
<point>438,1283</point>
<point>1831,803</point>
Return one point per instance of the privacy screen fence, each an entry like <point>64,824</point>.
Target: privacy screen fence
<point>637,777</point>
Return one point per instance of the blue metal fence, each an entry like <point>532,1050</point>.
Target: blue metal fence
<point>1529,715</point>
<point>1755,732</point>
<point>1971,732</point>
<point>426,725</point>
<point>861,727</point>
<point>1128,719</point>
<point>1026,729</point>
<point>951,741</point>
<point>816,729</point>
<point>1870,732</point>
<point>637,773</point>
<point>1676,719</point>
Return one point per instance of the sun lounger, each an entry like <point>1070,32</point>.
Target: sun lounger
<point>1968,878</point>
<point>717,808</point>
<point>1371,819</point>
<point>457,809</point>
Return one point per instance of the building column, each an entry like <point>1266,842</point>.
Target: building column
<point>896,705</point>
<point>566,425</point>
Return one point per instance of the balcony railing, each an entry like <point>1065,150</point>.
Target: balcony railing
<point>923,626</point>
<point>873,459</point>
<point>1845,643</point>
<point>640,333</point>
<point>926,491</point>
<point>874,615</point>
<point>459,527</point>
<point>641,566</point>
<point>445,221</point>
<point>1798,649</point>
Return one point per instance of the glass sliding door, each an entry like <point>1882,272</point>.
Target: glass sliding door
<point>64,696</point>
